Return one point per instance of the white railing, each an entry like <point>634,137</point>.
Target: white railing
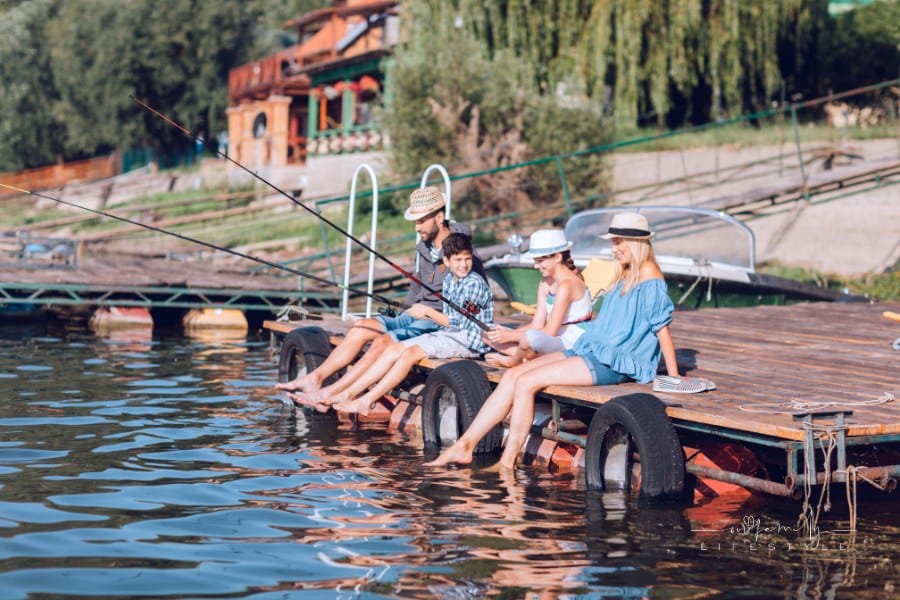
<point>373,238</point>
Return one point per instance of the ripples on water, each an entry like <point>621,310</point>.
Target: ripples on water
<point>165,468</point>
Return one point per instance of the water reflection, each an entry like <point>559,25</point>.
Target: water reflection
<point>166,467</point>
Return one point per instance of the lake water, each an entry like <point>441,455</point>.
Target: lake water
<point>166,468</point>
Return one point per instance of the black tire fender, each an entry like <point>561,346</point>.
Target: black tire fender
<point>453,395</point>
<point>635,423</point>
<point>302,350</point>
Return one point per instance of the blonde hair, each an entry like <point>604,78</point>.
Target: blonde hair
<point>641,252</point>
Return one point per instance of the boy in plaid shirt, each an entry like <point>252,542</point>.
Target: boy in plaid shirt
<point>458,336</point>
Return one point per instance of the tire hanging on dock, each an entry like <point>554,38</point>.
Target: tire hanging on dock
<point>302,351</point>
<point>453,395</point>
<point>632,444</point>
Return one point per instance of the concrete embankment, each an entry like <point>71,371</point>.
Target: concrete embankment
<point>847,232</point>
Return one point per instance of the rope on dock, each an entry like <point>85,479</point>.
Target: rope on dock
<point>808,521</point>
<point>800,407</point>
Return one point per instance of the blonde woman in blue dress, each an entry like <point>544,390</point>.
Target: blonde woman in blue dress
<point>624,343</point>
<point>563,306</point>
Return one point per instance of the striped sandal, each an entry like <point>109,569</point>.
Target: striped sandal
<point>680,385</point>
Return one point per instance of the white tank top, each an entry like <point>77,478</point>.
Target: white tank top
<point>579,314</point>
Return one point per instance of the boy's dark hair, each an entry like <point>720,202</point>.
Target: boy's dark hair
<point>456,243</point>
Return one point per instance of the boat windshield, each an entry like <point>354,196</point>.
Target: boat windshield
<point>696,233</point>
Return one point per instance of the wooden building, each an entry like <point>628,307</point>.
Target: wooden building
<point>316,97</point>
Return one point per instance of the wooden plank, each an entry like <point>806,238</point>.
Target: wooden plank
<point>838,355</point>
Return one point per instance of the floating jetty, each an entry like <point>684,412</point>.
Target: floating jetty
<point>126,291</point>
<point>806,395</point>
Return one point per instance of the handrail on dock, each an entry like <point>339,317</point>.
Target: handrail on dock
<point>447,196</point>
<point>374,234</point>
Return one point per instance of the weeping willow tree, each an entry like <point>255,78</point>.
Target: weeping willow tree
<point>707,57</point>
<point>463,92</point>
<point>541,76</point>
<point>646,57</point>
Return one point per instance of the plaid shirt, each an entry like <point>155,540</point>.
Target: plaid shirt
<point>472,293</point>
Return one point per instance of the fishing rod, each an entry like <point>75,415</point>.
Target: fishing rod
<point>186,238</point>
<point>436,293</point>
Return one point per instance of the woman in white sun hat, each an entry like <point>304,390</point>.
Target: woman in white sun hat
<point>624,343</point>
<point>563,305</point>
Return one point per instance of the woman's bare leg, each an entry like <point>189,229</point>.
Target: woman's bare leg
<point>493,411</point>
<point>568,371</point>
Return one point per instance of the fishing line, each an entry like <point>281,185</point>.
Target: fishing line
<point>436,293</point>
<point>186,238</point>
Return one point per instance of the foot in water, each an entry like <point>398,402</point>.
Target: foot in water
<point>496,359</point>
<point>359,406</point>
<point>302,384</point>
<point>455,454</point>
<point>302,399</point>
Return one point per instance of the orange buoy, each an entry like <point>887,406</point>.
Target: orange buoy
<point>120,317</point>
<point>214,318</point>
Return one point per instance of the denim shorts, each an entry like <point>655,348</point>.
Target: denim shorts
<point>402,327</point>
<point>600,374</point>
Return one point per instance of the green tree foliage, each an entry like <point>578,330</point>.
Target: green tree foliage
<point>69,69</point>
<point>29,134</point>
<point>458,99</point>
<point>864,45</point>
<point>683,59</point>
<point>173,55</point>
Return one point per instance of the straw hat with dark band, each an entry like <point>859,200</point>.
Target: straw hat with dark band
<point>629,225</point>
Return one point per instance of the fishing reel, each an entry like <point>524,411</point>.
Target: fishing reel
<point>387,311</point>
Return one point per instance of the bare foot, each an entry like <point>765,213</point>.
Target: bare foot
<point>339,401</point>
<point>496,359</point>
<point>359,406</point>
<point>301,399</point>
<point>321,396</point>
<point>306,383</point>
<point>498,467</point>
<point>455,454</point>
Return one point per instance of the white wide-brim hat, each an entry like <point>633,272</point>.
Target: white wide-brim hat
<point>424,201</point>
<point>629,225</point>
<point>545,242</point>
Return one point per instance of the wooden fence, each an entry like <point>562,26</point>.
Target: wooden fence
<point>55,176</point>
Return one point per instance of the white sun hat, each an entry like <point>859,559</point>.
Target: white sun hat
<point>545,242</point>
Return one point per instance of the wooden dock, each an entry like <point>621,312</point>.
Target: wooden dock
<point>133,280</point>
<point>784,376</point>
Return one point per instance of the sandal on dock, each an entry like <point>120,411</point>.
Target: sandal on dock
<point>681,385</point>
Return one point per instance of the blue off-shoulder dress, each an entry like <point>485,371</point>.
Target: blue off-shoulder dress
<point>623,336</point>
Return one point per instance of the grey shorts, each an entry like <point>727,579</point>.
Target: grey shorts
<point>442,344</point>
<point>542,343</point>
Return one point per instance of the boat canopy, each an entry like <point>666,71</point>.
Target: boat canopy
<point>700,234</point>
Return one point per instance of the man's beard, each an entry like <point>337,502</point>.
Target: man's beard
<point>429,237</point>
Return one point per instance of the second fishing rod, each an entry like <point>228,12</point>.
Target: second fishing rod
<point>436,293</point>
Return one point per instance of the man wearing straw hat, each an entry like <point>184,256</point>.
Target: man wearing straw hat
<point>426,211</point>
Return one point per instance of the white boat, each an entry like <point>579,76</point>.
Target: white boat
<point>708,258</point>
